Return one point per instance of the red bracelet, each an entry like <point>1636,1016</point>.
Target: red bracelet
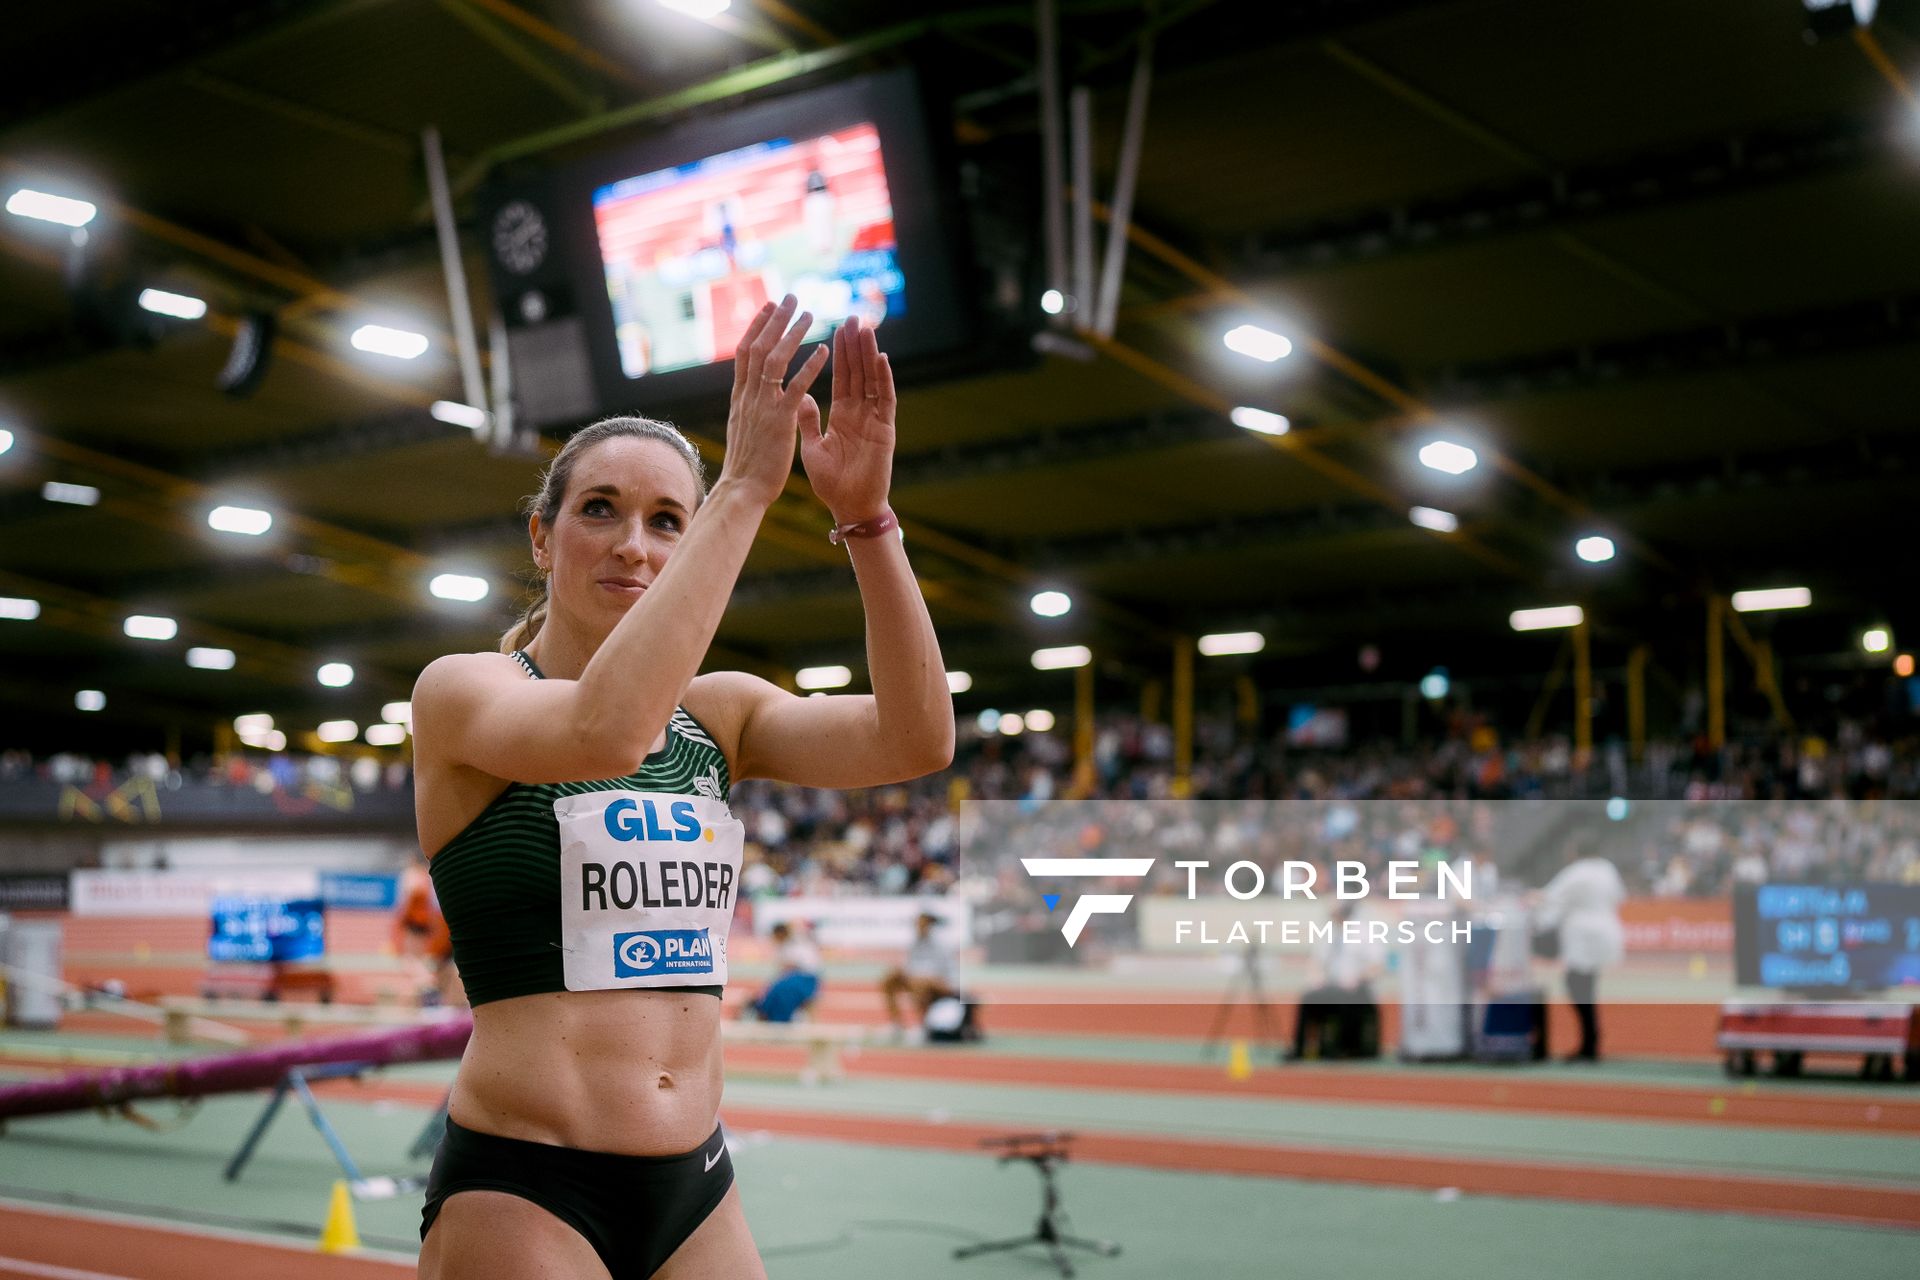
<point>885,522</point>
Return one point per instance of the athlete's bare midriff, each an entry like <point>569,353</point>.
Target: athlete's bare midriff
<point>631,1072</point>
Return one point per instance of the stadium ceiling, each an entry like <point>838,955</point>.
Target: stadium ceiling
<point>1656,262</point>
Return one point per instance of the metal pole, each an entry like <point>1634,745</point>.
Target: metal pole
<point>1249,705</point>
<point>1182,716</point>
<point>1046,23</point>
<point>1107,313</point>
<point>1582,692</point>
<point>501,426</point>
<point>1083,774</point>
<point>1637,703</point>
<point>1080,150</point>
<point>455,270</point>
<point>1716,673</point>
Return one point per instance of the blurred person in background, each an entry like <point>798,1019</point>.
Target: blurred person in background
<point>1337,1016</point>
<point>1582,904</point>
<point>931,972</point>
<point>420,933</point>
<point>796,977</point>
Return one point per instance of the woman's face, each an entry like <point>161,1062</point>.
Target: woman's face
<point>626,508</point>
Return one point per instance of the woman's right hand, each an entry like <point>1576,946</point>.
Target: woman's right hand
<point>763,416</point>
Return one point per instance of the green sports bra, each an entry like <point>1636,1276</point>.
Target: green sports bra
<point>499,880</point>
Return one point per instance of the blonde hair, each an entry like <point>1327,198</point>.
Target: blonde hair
<point>545,503</point>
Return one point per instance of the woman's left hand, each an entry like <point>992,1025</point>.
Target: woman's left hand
<point>851,465</point>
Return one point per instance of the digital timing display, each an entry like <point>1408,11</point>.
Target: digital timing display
<point>261,930</point>
<point>1861,937</point>
<point>692,252</point>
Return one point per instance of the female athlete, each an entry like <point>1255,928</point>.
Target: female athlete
<point>572,792</point>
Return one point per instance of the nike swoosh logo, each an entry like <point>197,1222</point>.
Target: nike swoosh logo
<point>714,1159</point>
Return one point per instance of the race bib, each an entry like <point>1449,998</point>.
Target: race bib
<point>647,886</point>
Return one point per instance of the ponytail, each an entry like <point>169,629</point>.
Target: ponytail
<point>521,633</point>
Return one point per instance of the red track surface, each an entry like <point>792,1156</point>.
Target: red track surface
<point>114,1248</point>
<point>1857,1203</point>
<point>1597,1184</point>
<point>1571,1095</point>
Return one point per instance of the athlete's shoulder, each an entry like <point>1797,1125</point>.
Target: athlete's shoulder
<point>721,702</point>
<point>453,668</point>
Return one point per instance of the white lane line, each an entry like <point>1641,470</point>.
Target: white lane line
<point>21,1267</point>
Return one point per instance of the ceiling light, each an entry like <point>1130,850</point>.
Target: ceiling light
<point>275,741</point>
<point>1434,685</point>
<point>247,520</point>
<point>1876,640</point>
<point>178,305</point>
<point>823,677</point>
<point>1595,549</point>
<point>385,735</point>
<point>958,682</point>
<point>459,415</point>
<point>397,713</point>
<point>1011,724</point>
<point>90,700</point>
<point>1062,658</point>
<point>702,9</point>
<point>1053,302</point>
<point>988,721</point>
<point>335,675</point>
<point>6,440</point>
<point>458,586</point>
<point>1559,615</point>
<point>1260,344</point>
<point>142,626</point>
<point>1267,424</point>
<point>401,344</point>
<point>19,609</point>
<point>210,659</point>
<point>1226,642</point>
<point>252,725</point>
<point>1434,519</point>
<point>1051,604</point>
<point>78,495</point>
<point>337,731</point>
<point>1772,598</point>
<point>1445,455</point>
<point>1039,721</point>
<point>67,212</point>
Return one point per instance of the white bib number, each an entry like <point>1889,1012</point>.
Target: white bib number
<point>648,881</point>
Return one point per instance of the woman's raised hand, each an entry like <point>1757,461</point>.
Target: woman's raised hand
<point>851,465</point>
<point>763,415</point>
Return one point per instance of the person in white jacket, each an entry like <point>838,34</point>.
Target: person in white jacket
<point>1583,903</point>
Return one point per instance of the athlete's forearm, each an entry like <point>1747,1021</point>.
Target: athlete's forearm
<point>642,670</point>
<point>913,708</point>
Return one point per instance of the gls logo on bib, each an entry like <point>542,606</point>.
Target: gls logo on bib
<point>641,955</point>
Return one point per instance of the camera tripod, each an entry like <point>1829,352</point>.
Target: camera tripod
<point>1044,1151</point>
<point>1266,1029</point>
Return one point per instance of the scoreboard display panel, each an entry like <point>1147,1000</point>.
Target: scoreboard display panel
<point>1827,937</point>
<point>267,930</point>
<point>692,252</point>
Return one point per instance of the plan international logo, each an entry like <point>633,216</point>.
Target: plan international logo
<point>1091,904</point>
